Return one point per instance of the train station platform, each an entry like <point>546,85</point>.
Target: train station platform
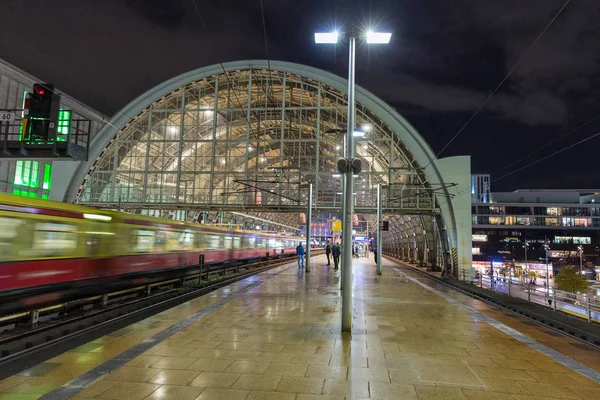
<point>276,335</point>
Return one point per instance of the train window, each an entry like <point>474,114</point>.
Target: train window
<point>200,242</point>
<point>8,235</point>
<point>272,243</point>
<point>53,239</point>
<point>228,242</point>
<point>186,240</point>
<point>160,240</point>
<point>143,241</point>
<point>214,242</point>
<point>250,242</point>
<point>237,242</point>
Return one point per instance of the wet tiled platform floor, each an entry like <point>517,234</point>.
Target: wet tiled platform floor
<point>277,336</point>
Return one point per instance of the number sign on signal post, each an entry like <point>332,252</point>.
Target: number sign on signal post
<point>7,116</point>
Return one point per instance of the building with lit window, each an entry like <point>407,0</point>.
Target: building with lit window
<point>536,226</point>
<point>33,178</point>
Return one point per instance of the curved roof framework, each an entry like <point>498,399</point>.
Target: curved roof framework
<point>241,137</point>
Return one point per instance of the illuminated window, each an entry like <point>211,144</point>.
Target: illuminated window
<point>26,173</point>
<point>63,125</point>
<point>47,177</point>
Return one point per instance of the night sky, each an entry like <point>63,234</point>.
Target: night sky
<point>446,56</point>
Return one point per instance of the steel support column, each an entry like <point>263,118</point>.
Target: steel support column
<point>308,224</point>
<point>379,230</point>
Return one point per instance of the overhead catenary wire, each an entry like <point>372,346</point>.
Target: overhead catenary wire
<point>246,116</point>
<point>548,156</point>
<point>504,79</point>
<point>547,145</point>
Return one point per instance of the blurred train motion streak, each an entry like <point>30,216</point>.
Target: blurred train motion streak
<point>54,251</point>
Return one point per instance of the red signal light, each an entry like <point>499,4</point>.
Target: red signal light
<point>39,90</point>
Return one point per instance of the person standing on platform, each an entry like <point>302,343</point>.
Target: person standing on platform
<point>300,254</point>
<point>328,252</point>
<point>336,251</point>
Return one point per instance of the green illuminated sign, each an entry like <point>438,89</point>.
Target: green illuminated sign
<point>26,176</point>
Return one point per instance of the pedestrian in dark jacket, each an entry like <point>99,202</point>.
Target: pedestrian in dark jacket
<point>336,251</point>
<point>328,252</point>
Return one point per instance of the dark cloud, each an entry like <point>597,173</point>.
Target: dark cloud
<point>445,58</point>
<point>169,13</point>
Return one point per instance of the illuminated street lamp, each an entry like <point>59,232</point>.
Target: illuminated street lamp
<point>351,167</point>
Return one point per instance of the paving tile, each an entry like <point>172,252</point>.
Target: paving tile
<point>86,348</point>
<point>13,381</point>
<point>326,371</point>
<point>445,371</point>
<point>240,355</point>
<point>132,374</point>
<point>286,369</point>
<point>210,365</point>
<point>19,396</point>
<point>301,385</point>
<point>550,390</point>
<point>504,386</point>
<point>368,374</point>
<point>39,370</point>
<point>257,382</point>
<point>472,394</point>
<point>439,393</point>
<point>215,379</point>
<point>128,390</point>
<point>339,387</point>
<point>96,388</point>
<point>249,367</point>
<point>586,393</point>
<point>201,344</point>
<point>392,391</point>
<point>170,392</point>
<point>271,347</point>
<point>143,361</point>
<point>173,362</point>
<point>173,377</point>
<point>260,395</point>
<point>279,357</point>
<point>222,394</point>
<point>39,385</point>
<point>172,351</point>
<point>234,346</point>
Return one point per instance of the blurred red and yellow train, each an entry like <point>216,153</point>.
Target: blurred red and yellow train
<point>50,245</point>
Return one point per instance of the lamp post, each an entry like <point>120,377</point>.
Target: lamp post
<point>349,166</point>
<point>547,247</point>
<point>580,248</point>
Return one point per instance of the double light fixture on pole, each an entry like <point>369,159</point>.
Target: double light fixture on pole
<point>348,165</point>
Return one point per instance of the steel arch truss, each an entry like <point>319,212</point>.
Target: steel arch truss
<point>241,146</point>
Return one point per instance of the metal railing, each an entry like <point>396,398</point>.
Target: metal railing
<point>578,304</point>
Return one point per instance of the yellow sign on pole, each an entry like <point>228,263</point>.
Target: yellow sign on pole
<point>336,226</point>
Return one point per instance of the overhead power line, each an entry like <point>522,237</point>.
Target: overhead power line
<point>547,144</point>
<point>548,156</point>
<point>505,78</point>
